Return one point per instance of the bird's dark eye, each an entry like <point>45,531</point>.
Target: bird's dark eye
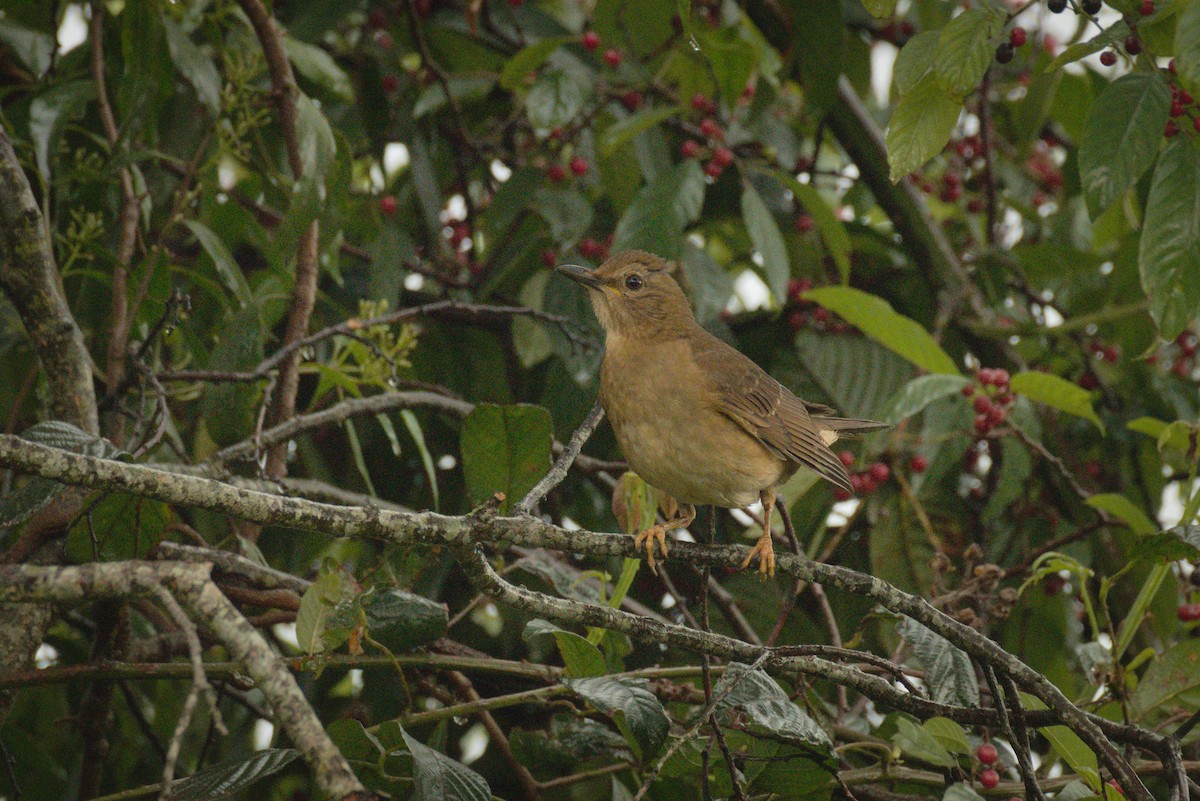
<point>633,282</point>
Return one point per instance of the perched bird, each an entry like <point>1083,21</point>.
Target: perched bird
<point>695,418</point>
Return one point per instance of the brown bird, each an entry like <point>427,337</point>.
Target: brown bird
<point>695,418</point>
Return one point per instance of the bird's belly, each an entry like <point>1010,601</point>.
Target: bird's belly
<point>689,451</point>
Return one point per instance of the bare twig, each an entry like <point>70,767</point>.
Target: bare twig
<point>561,465</point>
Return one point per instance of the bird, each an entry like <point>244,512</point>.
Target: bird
<point>695,418</point>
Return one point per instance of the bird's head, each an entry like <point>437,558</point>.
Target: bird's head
<point>635,296</point>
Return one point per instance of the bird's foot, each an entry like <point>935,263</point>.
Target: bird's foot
<point>765,552</point>
<point>647,538</point>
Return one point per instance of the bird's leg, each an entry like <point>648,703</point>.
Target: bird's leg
<point>678,516</point>
<point>763,549</point>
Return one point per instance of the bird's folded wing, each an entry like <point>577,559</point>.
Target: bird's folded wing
<point>766,409</point>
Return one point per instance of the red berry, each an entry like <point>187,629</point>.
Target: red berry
<point>858,482</point>
<point>1196,123</point>
<point>804,223</point>
<point>1184,97</point>
<point>748,93</point>
<point>975,205</point>
<point>968,390</point>
<point>579,165</point>
<point>613,57</point>
<point>987,754</point>
<point>1176,109</point>
<point>989,778</point>
<point>1188,612</point>
<point>1004,398</point>
<point>709,127</point>
<point>1147,8</point>
<point>1089,381</point>
<point>690,149</point>
<point>797,287</point>
<point>632,100</point>
<point>383,39</point>
<point>389,83</point>
<point>1110,354</point>
<point>797,319</point>
<point>1171,130</point>
<point>840,494</point>
<point>996,415</point>
<point>821,314</point>
<point>982,426</point>
<point>918,464</point>
<point>713,170</point>
<point>549,257</point>
<point>982,404</point>
<point>556,173</point>
<point>879,472</point>
<point>1133,45</point>
<point>847,458</point>
<point>1017,37</point>
<point>423,7</point>
<point>950,193</point>
<point>1108,58</point>
<point>516,3</point>
<point>377,18</point>
<point>1171,67</point>
<point>590,40</point>
<point>387,204</point>
<point>803,164</point>
<point>1000,377</point>
<point>700,102</point>
<point>723,156</point>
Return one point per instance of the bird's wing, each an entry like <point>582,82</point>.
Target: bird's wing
<point>766,409</point>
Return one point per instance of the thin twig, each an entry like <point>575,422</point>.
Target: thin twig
<point>561,465</point>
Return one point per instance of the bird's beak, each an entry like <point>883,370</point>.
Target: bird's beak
<point>581,275</point>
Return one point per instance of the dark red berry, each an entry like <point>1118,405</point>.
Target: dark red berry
<point>797,319</point>
<point>847,458</point>
<point>804,223</point>
<point>1171,129</point>
<point>968,390</point>
<point>1146,8</point>
<point>918,464</point>
<point>1176,109</point>
<point>516,3</point>
<point>613,57</point>
<point>699,103</point>
<point>987,754</point>
<point>988,778</point>
<point>1108,58</point>
<point>1133,45</point>
<point>423,7</point>
<point>982,426</point>
<point>1089,381</point>
<point>709,127</point>
<point>1188,612</point>
<point>723,156</point>
<point>590,40</point>
<point>377,18</point>
<point>390,83</point>
<point>879,472</point>
<point>556,173</point>
<point>1196,123</point>
<point>840,494</point>
<point>549,257</point>
<point>1017,37</point>
<point>384,39</point>
<point>632,100</point>
<point>1005,53</point>
<point>388,204</point>
<point>713,170</point>
<point>579,166</point>
<point>1000,377</point>
<point>982,404</point>
<point>690,149</point>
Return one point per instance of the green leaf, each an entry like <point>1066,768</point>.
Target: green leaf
<point>876,318</point>
<point>231,777</point>
<point>818,48</point>
<point>118,528</point>
<point>1121,507</point>
<point>948,671</point>
<point>49,114</point>
<point>317,607</point>
<point>966,47</point>
<point>462,87</point>
<point>402,620</point>
<point>1150,426</point>
<point>1170,681</point>
<point>920,126</point>
<point>1172,545</point>
<point>32,48</point>
<point>505,449</point>
<point>556,99</point>
<point>920,392</point>
<point>767,708</point>
<point>857,375</point>
<point>1059,393</point>
<point>625,129</point>
<point>1187,46</point>
<point>581,658</point>
<point>1121,137</point>
<point>437,777</point>
<point>1067,744</point>
<point>194,65</point>
<point>961,792</point>
<point>833,230</point>
<point>711,287</point>
<point>880,9</point>
<point>1117,32</point>
<point>567,212</point>
<point>354,741</point>
<point>732,57</point>
<point>919,744</point>
<point>949,734</point>
<point>1169,259</point>
<point>915,60</point>
<point>414,430</point>
<point>634,709</point>
<point>315,139</point>
<point>768,241</point>
<point>528,60</point>
<point>657,218</point>
<point>319,67</point>
<point>222,259</point>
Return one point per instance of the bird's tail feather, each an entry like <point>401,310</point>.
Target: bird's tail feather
<point>848,426</point>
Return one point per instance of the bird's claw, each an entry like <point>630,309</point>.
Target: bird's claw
<point>646,539</point>
<point>765,552</point>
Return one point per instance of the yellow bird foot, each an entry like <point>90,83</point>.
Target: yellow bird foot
<point>647,538</point>
<point>765,552</point>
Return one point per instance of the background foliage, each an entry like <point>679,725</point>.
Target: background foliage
<point>1010,276</point>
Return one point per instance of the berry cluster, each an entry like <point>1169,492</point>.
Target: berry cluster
<point>806,314</point>
<point>1043,170</point>
<point>719,155</point>
<point>864,481</point>
<point>992,398</point>
<point>988,756</point>
<point>1181,353</point>
<point>1016,38</point>
<point>558,173</point>
<point>1182,106</point>
<point>896,32</point>
<point>1187,613</point>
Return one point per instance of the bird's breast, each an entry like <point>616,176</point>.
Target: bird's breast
<point>672,435</point>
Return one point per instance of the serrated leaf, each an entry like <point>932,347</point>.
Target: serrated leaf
<point>657,218</point>
<point>317,607</point>
<point>1121,137</point>
<point>917,743</point>
<point>1121,507</point>
<point>437,777</point>
<point>528,59</point>
<point>1173,674</point>
<point>768,241</point>
<point>315,140</point>
<point>118,528</point>
<point>354,741</point>
<point>194,65</point>
<point>1180,542</point>
<point>1187,46</point>
<point>832,230</point>
<point>951,735</point>
<point>1067,744</point>
<point>767,708</point>
<point>505,449</point>
<point>1059,393</point>
<point>1150,426</point>
<point>222,259</point>
<point>319,67</point>
<point>1117,32</point>
<point>948,671</point>
<point>920,126</point>
<point>920,392</point>
<point>229,778</point>
<point>731,57</point>
<point>567,212</point>
<point>556,99</point>
<point>625,129</point>
<point>581,658</point>
<point>635,709</point>
<point>1169,259</point>
<point>915,60</point>
<point>966,47</point>
<point>876,318</point>
<point>402,620</point>
<point>857,374</point>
